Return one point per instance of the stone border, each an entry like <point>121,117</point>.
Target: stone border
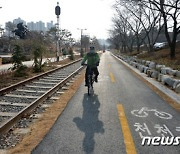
<point>161,73</point>
<point>174,97</point>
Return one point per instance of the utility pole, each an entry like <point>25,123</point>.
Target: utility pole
<point>82,53</point>
<point>57,12</point>
<point>1,29</point>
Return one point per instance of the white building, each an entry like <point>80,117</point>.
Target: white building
<point>18,20</point>
<point>50,25</point>
<point>31,26</point>
<point>40,26</point>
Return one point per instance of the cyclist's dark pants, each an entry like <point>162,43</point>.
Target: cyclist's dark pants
<point>88,70</point>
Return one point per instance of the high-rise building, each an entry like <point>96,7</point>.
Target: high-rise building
<point>18,20</point>
<point>50,25</point>
<point>40,26</point>
<point>31,26</point>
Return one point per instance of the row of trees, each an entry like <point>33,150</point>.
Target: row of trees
<point>26,45</point>
<point>65,36</point>
<point>140,22</point>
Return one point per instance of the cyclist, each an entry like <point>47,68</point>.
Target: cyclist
<point>92,62</point>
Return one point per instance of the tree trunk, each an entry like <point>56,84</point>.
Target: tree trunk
<point>138,44</point>
<point>173,50</point>
<point>151,48</point>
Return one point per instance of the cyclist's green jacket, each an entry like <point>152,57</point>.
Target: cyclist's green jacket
<point>92,59</point>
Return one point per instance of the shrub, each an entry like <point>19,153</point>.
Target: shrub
<point>38,56</point>
<point>17,59</point>
<point>71,54</point>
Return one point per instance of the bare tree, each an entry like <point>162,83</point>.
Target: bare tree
<point>147,20</point>
<point>114,39</point>
<point>170,11</point>
<point>85,42</point>
<point>10,27</point>
<point>133,24</point>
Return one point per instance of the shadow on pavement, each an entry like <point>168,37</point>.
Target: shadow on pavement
<point>89,123</point>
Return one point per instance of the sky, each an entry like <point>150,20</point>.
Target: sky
<point>93,15</point>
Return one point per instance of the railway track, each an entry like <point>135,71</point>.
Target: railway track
<point>22,98</point>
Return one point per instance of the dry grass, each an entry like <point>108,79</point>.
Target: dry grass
<point>161,57</point>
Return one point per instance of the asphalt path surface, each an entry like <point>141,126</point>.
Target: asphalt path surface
<point>114,120</point>
<point>6,67</point>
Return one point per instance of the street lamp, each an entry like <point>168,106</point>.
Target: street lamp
<point>57,12</point>
<point>81,40</point>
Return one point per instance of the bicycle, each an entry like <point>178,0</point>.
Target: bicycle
<point>91,79</point>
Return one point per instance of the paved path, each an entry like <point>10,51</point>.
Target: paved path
<point>5,67</point>
<point>113,120</point>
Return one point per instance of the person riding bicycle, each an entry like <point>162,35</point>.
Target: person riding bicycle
<point>92,62</point>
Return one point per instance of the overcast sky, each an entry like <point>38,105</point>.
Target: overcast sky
<point>94,15</point>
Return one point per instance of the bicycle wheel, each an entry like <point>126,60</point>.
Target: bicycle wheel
<point>163,115</point>
<point>137,114</point>
<point>88,90</point>
<point>89,84</point>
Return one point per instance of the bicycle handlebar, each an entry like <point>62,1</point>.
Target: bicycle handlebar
<point>84,64</point>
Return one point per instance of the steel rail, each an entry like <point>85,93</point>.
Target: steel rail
<point>4,127</point>
<point>8,124</point>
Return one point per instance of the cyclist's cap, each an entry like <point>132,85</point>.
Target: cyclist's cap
<point>92,48</point>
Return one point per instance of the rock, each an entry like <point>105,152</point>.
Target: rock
<point>155,74</point>
<point>176,83</point>
<point>135,64</point>
<point>163,78</point>
<point>144,52</point>
<point>145,69</point>
<point>138,61</point>
<point>158,67</point>
<point>164,70</point>
<point>141,68</point>
<point>147,63</point>
<point>152,65</point>
<point>138,65</point>
<point>172,72</point>
<point>131,63</point>
<point>149,72</point>
<point>160,77</point>
<point>143,62</point>
<point>177,89</point>
<point>169,70</point>
<point>177,74</point>
<point>170,81</point>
